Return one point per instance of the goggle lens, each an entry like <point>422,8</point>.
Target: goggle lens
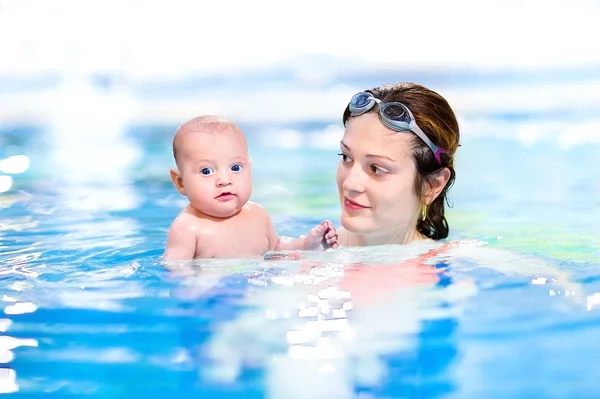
<point>361,100</point>
<point>396,112</point>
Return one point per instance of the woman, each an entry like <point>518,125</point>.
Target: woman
<point>396,167</point>
<point>397,164</point>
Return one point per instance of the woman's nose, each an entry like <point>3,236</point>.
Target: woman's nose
<point>355,180</point>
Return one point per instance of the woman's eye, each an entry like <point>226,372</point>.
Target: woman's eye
<point>236,168</point>
<point>345,158</point>
<point>378,171</point>
<point>206,171</point>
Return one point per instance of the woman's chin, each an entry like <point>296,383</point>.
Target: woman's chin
<point>356,225</point>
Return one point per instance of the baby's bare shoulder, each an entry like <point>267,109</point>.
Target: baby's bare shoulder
<point>255,210</point>
<point>253,206</point>
<point>187,220</point>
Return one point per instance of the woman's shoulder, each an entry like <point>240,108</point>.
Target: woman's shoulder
<point>441,247</point>
<point>465,243</point>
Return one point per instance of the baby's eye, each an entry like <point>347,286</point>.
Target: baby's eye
<point>206,171</point>
<point>236,168</point>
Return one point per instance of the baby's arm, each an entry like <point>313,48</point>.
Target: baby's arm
<point>181,240</point>
<point>323,236</point>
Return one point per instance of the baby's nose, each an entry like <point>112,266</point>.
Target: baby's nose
<point>223,180</point>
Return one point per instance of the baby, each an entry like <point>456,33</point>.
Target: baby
<point>213,172</point>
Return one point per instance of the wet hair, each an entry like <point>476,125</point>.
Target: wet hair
<point>438,121</point>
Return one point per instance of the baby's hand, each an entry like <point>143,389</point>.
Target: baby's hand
<point>324,235</point>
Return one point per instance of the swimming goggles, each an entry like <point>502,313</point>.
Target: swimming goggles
<point>395,116</point>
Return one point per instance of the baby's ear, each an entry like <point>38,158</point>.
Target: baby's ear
<point>177,181</point>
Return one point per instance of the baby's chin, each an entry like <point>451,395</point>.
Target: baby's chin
<point>224,213</point>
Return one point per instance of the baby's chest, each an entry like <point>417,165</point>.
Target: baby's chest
<point>236,240</point>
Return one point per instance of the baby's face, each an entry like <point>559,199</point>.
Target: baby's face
<point>216,173</point>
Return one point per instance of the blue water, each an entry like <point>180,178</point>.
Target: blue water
<point>80,245</point>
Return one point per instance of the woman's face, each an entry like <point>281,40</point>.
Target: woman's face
<point>375,179</point>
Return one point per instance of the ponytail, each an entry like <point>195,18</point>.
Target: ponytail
<point>435,225</point>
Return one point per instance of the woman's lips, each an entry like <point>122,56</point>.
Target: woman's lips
<point>349,204</point>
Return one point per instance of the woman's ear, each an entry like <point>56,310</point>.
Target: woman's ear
<point>177,181</point>
<point>435,184</point>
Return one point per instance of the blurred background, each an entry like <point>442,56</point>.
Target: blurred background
<point>91,93</point>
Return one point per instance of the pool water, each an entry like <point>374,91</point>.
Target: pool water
<point>89,310</point>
